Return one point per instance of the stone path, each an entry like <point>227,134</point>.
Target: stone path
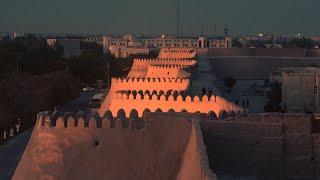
<point>11,153</point>
<point>205,77</point>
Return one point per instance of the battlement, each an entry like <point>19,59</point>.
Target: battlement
<point>177,50</point>
<point>168,97</point>
<point>177,53</point>
<point>182,61</point>
<point>144,84</point>
<point>150,80</point>
<point>158,102</point>
<point>168,66</point>
<point>46,121</point>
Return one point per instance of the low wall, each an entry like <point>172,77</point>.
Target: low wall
<point>272,146</point>
<point>195,164</point>
<point>255,67</point>
<point>244,149</point>
<point>275,52</point>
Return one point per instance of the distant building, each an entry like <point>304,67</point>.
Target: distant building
<point>71,47</point>
<point>300,89</point>
<point>201,42</point>
<point>125,51</point>
<point>94,39</point>
<point>135,45</point>
<point>9,35</point>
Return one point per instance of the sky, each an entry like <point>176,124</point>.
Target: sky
<point>153,17</point>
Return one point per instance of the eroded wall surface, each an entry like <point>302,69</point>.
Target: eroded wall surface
<point>265,146</point>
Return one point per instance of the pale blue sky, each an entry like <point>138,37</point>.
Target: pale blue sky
<point>157,17</point>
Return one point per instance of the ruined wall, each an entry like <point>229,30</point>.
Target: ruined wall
<point>195,164</point>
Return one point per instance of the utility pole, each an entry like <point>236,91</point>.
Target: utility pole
<point>202,30</point>
<point>215,29</point>
<point>178,18</point>
<point>108,74</point>
<point>18,66</point>
<point>192,30</point>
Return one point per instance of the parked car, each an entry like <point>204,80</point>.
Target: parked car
<point>88,89</point>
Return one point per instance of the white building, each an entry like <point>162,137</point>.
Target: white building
<point>201,42</point>
<point>125,51</point>
<point>134,44</point>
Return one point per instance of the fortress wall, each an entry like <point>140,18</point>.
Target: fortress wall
<point>202,52</point>
<point>150,84</point>
<point>297,124</point>
<point>256,67</point>
<point>155,102</point>
<point>316,146</point>
<point>313,52</point>
<point>177,53</point>
<point>93,123</point>
<point>115,153</point>
<point>144,63</point>
<point>282,144</point>
<point>298,146</point>
<point>259,118</point>
<point>195,164</point>
<point>245,156</point>
<point>247,149</point>
<point>244,128</point>
<point>275,52</point>
<point>164,71</point>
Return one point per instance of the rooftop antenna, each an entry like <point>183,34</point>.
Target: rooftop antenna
<point>215,29</point>
<point>202,30</point>
<point>226,31</point>
<point>178,18</point>
<point>192,30</point>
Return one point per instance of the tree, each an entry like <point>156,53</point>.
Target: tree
<point>301,43</point>
<point>274,98</point>
<point>230,82</point>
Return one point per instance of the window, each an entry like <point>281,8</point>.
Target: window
<point>315,89</point>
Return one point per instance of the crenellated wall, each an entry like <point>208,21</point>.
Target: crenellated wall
<point>59,152</point>
<point>195,163</point>
<point>140,103</point>
<point>149,84</point>
<point>46,121</point>
<point>167,71</point>
<point>140,63</point>
<point>177,53</point>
